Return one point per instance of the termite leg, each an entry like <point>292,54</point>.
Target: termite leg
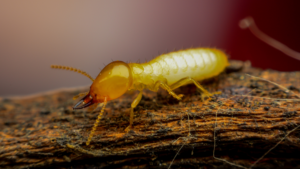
<point>186,81</point>
<point>133,105</point>
<point>167,88</point>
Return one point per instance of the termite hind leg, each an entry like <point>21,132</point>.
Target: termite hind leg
<point>133,105</point>
<point>167,88</point>
<point>187,80</point>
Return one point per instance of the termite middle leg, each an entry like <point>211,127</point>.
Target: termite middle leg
<point>186,81</point>
<point>133,105</point>
<point>167,88</point>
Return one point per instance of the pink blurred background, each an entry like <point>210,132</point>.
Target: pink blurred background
<point>90,34</point>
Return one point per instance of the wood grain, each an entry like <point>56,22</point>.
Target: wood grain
<point>44,131</point>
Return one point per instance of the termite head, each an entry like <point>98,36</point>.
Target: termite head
<point>112,82</point>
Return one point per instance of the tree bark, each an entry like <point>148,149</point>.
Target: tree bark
<point>44,131</point>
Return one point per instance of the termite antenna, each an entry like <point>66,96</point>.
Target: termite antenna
<point>80,95</point>
<point>96,123</point>
<point>248,22</point>
<point>72,69</point>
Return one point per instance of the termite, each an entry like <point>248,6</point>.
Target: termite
<point>168,71</point>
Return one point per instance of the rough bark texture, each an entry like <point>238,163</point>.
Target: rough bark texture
<point>44,131</point>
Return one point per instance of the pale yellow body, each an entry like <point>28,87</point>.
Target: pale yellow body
<point>196,63</point>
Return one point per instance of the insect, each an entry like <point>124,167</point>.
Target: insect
<point>167,71</point>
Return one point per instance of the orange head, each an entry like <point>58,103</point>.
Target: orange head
<point>112,82</point>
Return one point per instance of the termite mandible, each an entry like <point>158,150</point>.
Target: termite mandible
<point>168,71</point>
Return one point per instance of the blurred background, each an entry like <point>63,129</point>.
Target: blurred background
<point>90,34</point>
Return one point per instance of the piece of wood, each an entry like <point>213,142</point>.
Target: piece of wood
<point>44,131</point>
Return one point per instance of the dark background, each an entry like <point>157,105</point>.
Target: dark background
<point>90,34</point>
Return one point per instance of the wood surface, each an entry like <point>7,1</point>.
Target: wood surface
<point>45,132</point>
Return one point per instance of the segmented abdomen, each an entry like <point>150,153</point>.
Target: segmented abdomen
<point>197,63</point>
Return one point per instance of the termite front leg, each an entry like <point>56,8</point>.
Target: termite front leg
<point>135,102</point>
<point>167,88</point>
